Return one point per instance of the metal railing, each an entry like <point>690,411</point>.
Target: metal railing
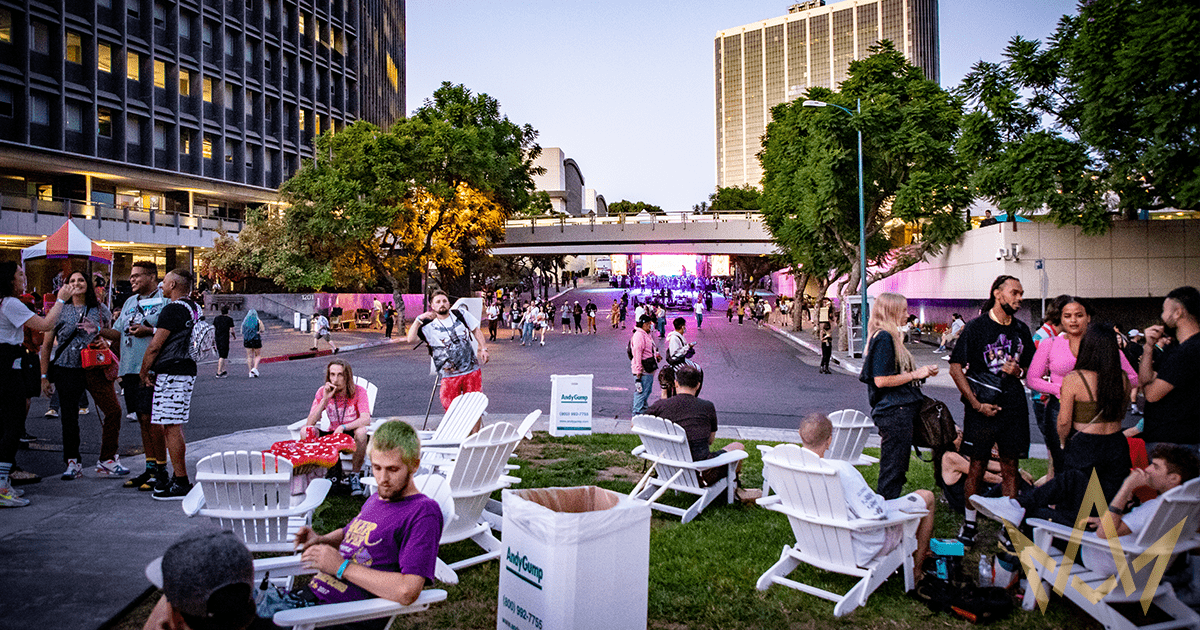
<point>126,214</point>
<point>562,220</point>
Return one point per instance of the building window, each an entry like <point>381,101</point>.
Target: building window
<point>104,58</point>
<point>317,125</point>
<point>206,34</point>
<point>228,153</point>
<point>160,15</point>
<point>133,130</point>
<point>208,90</point>
<point>39,38</point>
<point>39,110</point>
<point>133,9</point>
<point>228,96</point>
<point>160,137</point>
<point>107,4</point>
<point>303,22</point>
<point>266,9</point>
<point>6,103</point>
<point>74,118</point>
<point>207,148</point>
<point>301,120</point>
<point>185,142</point>
<point>133,71</point>
<point>185,26</point>
<point>160,75</point>
<point>249,104</point>
<point>249,55</point>
<point>74,48</point>
<point>104,122</point>
<point>228,43</point>
<point>5,26</point>
<point>185,82</point>
<point>393,73</point>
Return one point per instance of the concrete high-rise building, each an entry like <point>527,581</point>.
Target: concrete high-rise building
<point>763,64</point>
<point>153,113</point>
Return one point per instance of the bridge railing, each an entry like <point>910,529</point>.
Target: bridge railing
<point>562,220</point>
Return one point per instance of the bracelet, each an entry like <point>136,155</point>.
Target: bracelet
<point>1116,510</point>
<point>44,376</point>
<point>60,301</point>
<point>342,569</point>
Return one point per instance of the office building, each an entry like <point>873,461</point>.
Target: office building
<point>159,121</point>
<point>763,64</point>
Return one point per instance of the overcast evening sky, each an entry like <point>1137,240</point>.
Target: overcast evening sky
<point>626,87</point>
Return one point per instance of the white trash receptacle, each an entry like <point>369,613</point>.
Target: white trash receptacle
<point>573,558</point>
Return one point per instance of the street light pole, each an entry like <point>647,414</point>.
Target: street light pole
<point>862,216</point>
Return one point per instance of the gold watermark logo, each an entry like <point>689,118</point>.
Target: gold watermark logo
<point>1033,556</point>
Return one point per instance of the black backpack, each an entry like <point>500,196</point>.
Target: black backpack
<point>935,426</point>
<point>978,605</point>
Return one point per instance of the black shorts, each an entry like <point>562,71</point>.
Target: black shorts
<point>1008,431</point>
<point>139,399</point>
<point>253,344</point>
<point>223,349</point>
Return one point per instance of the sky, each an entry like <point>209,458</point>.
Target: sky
<point>626,87</point>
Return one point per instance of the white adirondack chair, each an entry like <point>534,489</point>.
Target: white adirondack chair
<point>851,429</point>
<point>665,444</point>
<point>334,614</point>
<point>809,493</point>
<point>249,492</point>
<point>1179,505</point>
<point>295,428</point>
<point>440,446</point>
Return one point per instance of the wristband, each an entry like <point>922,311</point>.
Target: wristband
<point>44,376</point>
<point>1115,510</point>
<point>60,301</point>
<point>342,569</point>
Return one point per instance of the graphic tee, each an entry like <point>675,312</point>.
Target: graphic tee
<point>137,310</point>
<point>985,345</point>
<point>450,343</point>
<point>396,536</point>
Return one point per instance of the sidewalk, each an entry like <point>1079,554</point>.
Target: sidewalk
<point>281,342</point>
<point>80,550</point>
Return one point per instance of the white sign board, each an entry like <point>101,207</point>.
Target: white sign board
<point>570,404</point>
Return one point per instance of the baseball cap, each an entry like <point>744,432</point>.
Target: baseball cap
<point>1135,333</point>
<point>208,576</point>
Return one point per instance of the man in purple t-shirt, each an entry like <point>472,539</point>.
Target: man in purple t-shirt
<point>389,550</point>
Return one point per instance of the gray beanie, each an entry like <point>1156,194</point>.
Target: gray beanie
<point>208,575</point>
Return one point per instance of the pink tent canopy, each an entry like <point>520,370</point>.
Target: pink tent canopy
<point>68,241</point>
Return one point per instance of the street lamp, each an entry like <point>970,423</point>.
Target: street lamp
<point>862,218</point>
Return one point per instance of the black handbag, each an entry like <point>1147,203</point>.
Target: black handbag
<point>934,426</point>
<point>649,364</point>
<point>986,386</point>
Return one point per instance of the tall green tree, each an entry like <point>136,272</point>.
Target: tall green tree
<point>910,170</point>
<point>731,198</point>
<point>434,188</point>
<point>631,207</point>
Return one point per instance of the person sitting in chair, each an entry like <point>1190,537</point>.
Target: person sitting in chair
<point>697,417</point>
<point>349,411</point>
<point>816,434</point>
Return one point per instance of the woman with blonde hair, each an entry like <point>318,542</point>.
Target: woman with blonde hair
<point>892,381</point>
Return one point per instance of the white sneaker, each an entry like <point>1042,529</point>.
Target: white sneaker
<point>83,411</point>
<point>74,470</point>
<point>10,498</point>
<point>9,489</point>
<point>998,508</point>
<point>111,468</point>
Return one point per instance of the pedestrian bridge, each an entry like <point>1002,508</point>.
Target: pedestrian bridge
<point>742,233</point>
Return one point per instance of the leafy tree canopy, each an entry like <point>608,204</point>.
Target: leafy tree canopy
<point>630,207</point>
<point>730,198</point>
<point>911,173</point>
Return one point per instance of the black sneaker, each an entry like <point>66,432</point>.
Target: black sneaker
<point>966,534</point>
<point>144,479</point>
<point>176,491</point>
<point>161,482</point>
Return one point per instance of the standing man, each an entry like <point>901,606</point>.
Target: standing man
<point>698,309</point>
<point>174,378</point>
<point>137,324</point>
<point>376,313</point>
<point>642,349</point>
<point>591,315</point>
<point>454,356</point>
<point>988,366</point>
<point>223,327</point>
<point>1173,391</point>
<point>493,315</point>
<point>320,328</point>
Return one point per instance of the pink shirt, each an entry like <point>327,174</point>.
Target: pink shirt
<point>341,411</point>
<point>643,348</point>
<point>1054,356</point>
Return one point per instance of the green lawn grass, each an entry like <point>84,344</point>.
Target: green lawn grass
<point>702,574</point>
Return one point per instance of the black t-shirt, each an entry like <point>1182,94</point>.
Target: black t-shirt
<point>222,324</point>
<point>985,345</point>
<point>174,359</point>
<point>697,416</point>
<point>1176,418</point>
<point>881,355</point>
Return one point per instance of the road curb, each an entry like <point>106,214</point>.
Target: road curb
<point>311,354</point>
<point>845,362</point>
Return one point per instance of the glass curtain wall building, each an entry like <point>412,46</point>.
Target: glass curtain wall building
<point>760,65</point>
<point>192,108</point>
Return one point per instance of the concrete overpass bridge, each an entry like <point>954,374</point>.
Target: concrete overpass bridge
<point>714,233</point>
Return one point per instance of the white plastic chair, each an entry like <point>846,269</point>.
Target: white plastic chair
<point>1180,505</point>
<point>809,493</point>
<point>665,444</point>
<point>438,447</point>
<point>296,428</point>
<point>851,429</point>
<point>250,493</point>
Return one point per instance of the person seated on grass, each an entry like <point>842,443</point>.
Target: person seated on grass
<point>697,417</point>
<point>207,580</point>
<point>390,549</point>
<point>954,468</point>
<point>816,434</point>
<point>349,411</point>
<point>1170,465</point>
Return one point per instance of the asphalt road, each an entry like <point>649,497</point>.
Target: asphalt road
<point>755,378</point>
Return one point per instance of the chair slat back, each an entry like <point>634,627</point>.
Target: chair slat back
<point>372,392</point>
<point>667,440</point>
<point>525,429</point>
<point>460,418</point>
<point>813,488</point>
<point>1179,503</point>
<point>436,487</point>
<point>480,464</point>
<point>851,428</point>
<point>249,482</point>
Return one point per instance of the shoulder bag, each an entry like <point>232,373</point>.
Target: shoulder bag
<point>986,386</point>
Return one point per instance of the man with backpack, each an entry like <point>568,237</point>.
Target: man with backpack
<point>169,367</point>
<point>449,336</point>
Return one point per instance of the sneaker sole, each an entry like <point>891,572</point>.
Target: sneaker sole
<point>170,498</point>
<point>14,503</point>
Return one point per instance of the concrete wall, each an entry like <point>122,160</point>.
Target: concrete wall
<point>1135,259</point>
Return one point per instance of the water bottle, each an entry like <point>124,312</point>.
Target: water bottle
<point>985,571</point>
